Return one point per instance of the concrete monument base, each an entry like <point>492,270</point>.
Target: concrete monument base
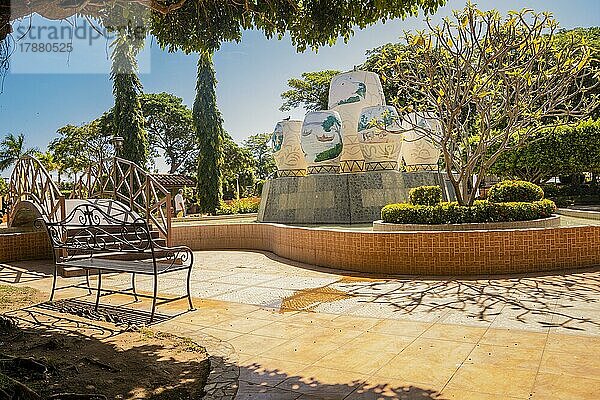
<point>338,198</point>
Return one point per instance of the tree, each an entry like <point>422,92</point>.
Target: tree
<point>310,92</point>
<point>11,149</point>
<point>210,135</point>
<point>170,128</point>
<point>48,161</point>
<point>80,146</point>
<point>491,83</point>
<point>238,168</point>
<point>258,146</point>
<point>128,120</point>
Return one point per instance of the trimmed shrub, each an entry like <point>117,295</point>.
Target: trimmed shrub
<point>425,195</point>
<point>245,205</point>
<point>480,212</point>
<point>515,191</point>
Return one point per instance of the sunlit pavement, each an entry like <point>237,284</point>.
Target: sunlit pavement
<point>297,332</point>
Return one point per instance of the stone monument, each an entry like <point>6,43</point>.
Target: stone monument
<point>353,156</point>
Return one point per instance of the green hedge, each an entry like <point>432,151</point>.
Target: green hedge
<point>425,195</point>
<point>245,205</point>
<point>453,213</point>
<point>514,191</point>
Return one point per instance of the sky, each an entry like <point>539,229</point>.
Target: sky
<point>44,91</point>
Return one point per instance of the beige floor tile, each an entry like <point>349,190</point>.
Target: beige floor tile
<point>514,337</point>
<point>349,359</point>
<point>301,351</point>
<point>324,383</point>
<point>457,333</point>
<point>505,356</point>
<point>578,365</point>
<point>402,328</point>
<point>560,387</point>
<point>221,334</point>
<point>380,342</point>
<point>574,344</point>
<point>241,324</point>
<point>460,394</point>
<point>254,344</point>
<point>427,361</point>
<point>352,322</point>
<point>338,335</point>
<point>494,380</point>
<point>282,330</point>
<point>269,372</point>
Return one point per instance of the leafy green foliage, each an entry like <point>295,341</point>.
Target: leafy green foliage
<point>198,26</point>
<point>310,92</point>
<point>128,119</point>
<point>553,152</point>
<point>258,146</point>
<point>238,169</point>
<point>425,195</point>
<point>170,128</point>
<point>511,191</point>
<point>245,205</point>
<point>208,126</point>
<point>3,187</point>
<point>11,149</point>
<point>480,212</point>
<point>79,146</point>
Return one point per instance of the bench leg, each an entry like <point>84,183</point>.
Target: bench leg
<point>189,288</point>
<point>54,282</point>
<point>133,287</point>
<point>87,280</point>
<point>99,287</point>
<point>154,298</point>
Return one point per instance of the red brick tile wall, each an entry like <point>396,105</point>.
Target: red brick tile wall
<point>24,246</point>
<point>422,253</point>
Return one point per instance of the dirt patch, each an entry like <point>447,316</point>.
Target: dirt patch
<point>13,297</point>
<point>129,365</point>
<point>140,364</point>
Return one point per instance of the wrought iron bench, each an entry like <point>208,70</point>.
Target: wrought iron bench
<point>97,238</point>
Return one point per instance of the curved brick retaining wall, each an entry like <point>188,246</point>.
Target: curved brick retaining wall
<point>418,253</point>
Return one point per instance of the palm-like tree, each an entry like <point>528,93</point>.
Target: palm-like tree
<point>11,149</point>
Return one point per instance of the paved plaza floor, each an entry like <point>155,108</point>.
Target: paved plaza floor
<point>282,330</point>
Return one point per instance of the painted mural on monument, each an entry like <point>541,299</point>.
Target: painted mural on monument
<point>321,141</point>
<point>380,136</point>
<point>418,151</point>
<point>287,150</point>
<point>349,93</point>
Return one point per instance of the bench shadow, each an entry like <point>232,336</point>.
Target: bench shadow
<point>116,314</point>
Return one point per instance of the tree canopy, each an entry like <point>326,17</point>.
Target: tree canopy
<point>170,128</point>
<point>12,148</point>
<point>311,91</point>
<point>491,82</point>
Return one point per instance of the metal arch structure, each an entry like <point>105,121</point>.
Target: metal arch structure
<point>124,181</point>
<point>114,178</point>
<point>31,183</point>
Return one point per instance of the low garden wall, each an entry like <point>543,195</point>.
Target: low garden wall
<point>414,253</point>
<point>16,246</point>
<point>536,223</point>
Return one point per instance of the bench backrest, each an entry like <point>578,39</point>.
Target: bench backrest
<point>90,229</point>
